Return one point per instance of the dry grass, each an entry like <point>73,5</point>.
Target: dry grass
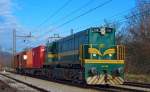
<point>137,78</point>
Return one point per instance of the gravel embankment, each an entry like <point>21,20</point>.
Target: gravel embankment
<point>9,85</point>
<point>50,86</point>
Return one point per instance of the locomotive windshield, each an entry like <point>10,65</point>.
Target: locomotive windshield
<point>101,44</point>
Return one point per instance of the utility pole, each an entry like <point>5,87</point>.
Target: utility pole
<point>14,43</point>
<point>14,47</point>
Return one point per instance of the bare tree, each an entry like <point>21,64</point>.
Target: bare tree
<point>138,38</point>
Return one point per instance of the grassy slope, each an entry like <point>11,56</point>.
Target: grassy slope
<point>138,78</point>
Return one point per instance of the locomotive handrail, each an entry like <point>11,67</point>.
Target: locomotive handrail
<point>120,52</point>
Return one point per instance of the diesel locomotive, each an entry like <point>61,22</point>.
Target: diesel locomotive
<point>90,56</point>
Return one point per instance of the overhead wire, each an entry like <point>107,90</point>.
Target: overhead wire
<point>77,17</point>
<point>113,16</point>
<point>84,13</point>
<point>55,13</point>
<point>119,13</point>
<point>124,20</point>
<point>126,17</point>
<point>74,11</point>
<point>136,14</point>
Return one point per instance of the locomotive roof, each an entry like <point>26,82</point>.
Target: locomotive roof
<point>74,34</point>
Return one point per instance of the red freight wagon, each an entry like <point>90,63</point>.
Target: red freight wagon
<point>30,61</point>
<point>38,56</point>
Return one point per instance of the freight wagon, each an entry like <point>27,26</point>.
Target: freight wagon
<point>30,61</point>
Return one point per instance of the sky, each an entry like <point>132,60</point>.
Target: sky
<point>43,18</point>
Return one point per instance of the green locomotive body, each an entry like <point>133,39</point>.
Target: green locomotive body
<point>90,56</point>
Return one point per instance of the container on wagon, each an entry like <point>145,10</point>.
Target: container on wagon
<point>38,54</point>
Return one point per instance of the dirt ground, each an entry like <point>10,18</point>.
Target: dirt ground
<point>6,88</point>
<point>9,85</point>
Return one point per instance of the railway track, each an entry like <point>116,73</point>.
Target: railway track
<point>127,87</point>
<point>137,84</point>
<point>27,84</point>
<point>110,88</point>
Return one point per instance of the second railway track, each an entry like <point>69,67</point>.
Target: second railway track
<point>137,84</point>
<point>27,84</point>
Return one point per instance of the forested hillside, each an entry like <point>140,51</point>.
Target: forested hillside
<point>135,35</point>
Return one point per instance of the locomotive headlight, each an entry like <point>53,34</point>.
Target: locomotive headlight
<point>103,31</point>
<point>94,55</point>
<point>110,55</point>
